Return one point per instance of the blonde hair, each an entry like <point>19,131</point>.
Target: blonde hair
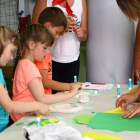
<point>8,36</point>
<point>131,8</point>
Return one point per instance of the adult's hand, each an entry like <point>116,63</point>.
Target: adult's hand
<point>125,99</point>
<point>135,110</point>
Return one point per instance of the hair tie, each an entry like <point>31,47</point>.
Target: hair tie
<point>13,40</point>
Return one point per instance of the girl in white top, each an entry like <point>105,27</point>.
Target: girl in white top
<point>65,51</point>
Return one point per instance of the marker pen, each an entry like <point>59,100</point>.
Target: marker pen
<point>129,84</point>
<point>75,78</point>
<point>38,123</point>
<point>118,91</point>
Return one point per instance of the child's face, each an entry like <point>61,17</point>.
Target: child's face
<point>7,54</point>
<point>40,51</point>
<point>55,30</point>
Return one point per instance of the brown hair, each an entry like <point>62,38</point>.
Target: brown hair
<point>36,33</point>
<point>6,37</point>
<point>131,8</point>
<point>54,15</point>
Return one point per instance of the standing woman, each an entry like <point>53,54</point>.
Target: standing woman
<point>65,50</point>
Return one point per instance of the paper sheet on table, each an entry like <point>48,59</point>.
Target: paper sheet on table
<point>89,86</point>
<point>83,118</point>
<point>117,110</point>
<point>100,136</point>
<point>114,122</point>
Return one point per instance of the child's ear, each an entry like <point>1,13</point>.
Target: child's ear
<point>31,45</point>
<point>48,25</point>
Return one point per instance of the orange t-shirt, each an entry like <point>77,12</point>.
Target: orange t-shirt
<point>46,64</point>
<point>25,72</point>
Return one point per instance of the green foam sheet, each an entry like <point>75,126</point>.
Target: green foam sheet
<point>83,118</point>
<point>114,122</point>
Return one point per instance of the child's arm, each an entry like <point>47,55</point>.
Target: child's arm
<point>38,93</point>
<point>21,107</point>
<point>126,99</point>
<point>51,84</point>
<point>40,5</point>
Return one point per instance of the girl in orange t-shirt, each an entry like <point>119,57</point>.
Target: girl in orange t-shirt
<point>27,83</point>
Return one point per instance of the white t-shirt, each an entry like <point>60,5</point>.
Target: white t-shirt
<point>66,48</point>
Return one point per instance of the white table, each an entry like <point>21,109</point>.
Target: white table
<point>105,101</point>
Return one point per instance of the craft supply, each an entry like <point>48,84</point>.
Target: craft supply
<point>114,122</point>
<point>116,110</point>
<point>83,98</point>
<point>66,108</point>
<point>100,136</point>
<point>19,123</point>
<point>38,123</point>
<point>83,118</point>
<point>39,116</point>
<point>75,78</point>
<point>118,91</point>
<point>129,84</point>
<point>95,92</point>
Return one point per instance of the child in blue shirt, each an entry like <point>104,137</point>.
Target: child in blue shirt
<point>8,43</point>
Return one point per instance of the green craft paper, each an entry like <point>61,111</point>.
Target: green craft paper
<point>75,103</point>
<point>72,124</point>
<point>52,111</point>
<point>72,112</point>
<point>88,107</point>
<point>19,123</point>
<point>83,118</point>
<point>32,119</point>
<point>94,113</point>
<point>94,95</point>
<point>114,122</point>
<point>90,91</point>
<point>60,118</point>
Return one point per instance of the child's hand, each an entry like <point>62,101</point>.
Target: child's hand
<point>135,110</point>
<point>76,83</point>
<point>125,99</point>
<point>43,110</point>
<point>79,32</point>
<point>74,88</point>
<point>70,25</point>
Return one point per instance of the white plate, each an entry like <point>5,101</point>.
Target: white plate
<point>66,108</point>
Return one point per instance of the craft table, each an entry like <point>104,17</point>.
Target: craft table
<point>105,101</point>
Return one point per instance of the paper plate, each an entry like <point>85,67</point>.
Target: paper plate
<point>66,108</point>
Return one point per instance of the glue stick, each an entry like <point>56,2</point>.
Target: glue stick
<point>118,91</point>
<point>75,78</point>
<point>38,123</point>
<point>129,84</point>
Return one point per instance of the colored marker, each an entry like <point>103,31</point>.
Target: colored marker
<point>118,91</point>
<point>38,123</point>
<point>129,84</point>
<point>75,78</point>
<point>98,83</point>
